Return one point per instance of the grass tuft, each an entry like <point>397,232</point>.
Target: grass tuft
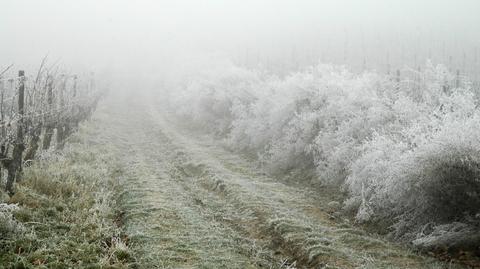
<point>63,213</point>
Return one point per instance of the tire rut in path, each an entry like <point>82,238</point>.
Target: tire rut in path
<point>169,224</point>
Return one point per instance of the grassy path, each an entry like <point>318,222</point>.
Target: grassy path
<point>188,203</point>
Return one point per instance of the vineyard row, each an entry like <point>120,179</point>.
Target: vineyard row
<point>39,113</point>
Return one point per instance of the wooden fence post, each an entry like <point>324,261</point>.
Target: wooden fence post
<point>2,115</point>
<point>75,107</point>
<point>61,121</point>
<point>21,99</point>
<point>49,124</point>
<point>34,131</point>
<point>445,86</point>
<point>2,122</point>
<point>15,167</point>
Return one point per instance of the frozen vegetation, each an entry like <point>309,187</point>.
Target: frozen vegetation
<point>403,147</point>
<point>368,154</point>
<point>240,134</point>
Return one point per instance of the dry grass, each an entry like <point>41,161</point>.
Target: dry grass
<point>66,204</point>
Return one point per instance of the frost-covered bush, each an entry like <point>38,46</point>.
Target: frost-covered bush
<point>207,98</point>
<point>407,153</point>
<point>9,226</point>
<point>428,174</point>
<point>311,119</point>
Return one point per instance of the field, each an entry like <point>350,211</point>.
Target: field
<point>290,134</point>
<point>229,167</point>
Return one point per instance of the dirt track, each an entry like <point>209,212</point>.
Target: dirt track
<point>187,202</point>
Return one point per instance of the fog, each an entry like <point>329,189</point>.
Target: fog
<point>240,134</point>
<point>138,37</point>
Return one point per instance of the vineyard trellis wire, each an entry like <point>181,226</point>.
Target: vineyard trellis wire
<point>34,110</point>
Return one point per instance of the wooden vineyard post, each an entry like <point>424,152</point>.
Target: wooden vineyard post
<point>2,114</point>
<point>75,109</point>
<point>15,166</point>
<point>61,122</point>
<point>34,128</point>
<point>3,134</point>
<point>70,120</point>
<point>49,124</point>
<point>445,87</point>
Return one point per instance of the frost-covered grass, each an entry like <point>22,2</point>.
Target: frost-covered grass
<point>290,220</point>
<point>63,213</point>
<point>406,153</point>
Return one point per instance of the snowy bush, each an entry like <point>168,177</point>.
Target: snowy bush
<point>407,153</point>
<point>432,176</point>
<point>208,97</point>
<point>9,226</point>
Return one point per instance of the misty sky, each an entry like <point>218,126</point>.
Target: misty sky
<point>95,34</point>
